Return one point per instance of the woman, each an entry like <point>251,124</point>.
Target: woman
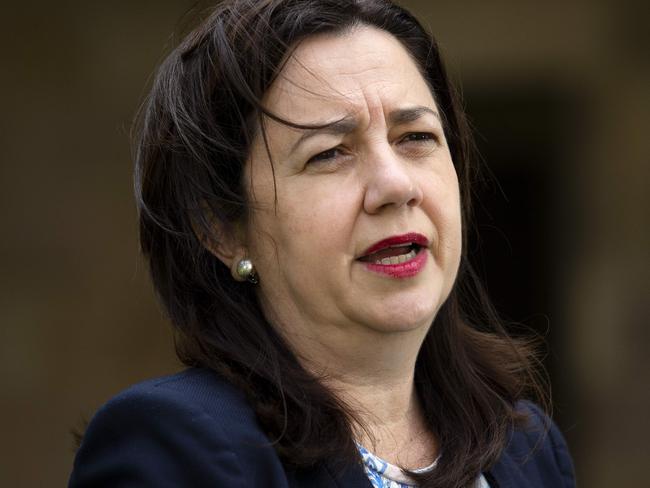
<point>303,180</point>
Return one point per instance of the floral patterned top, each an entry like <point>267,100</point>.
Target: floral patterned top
<point>385,475</point>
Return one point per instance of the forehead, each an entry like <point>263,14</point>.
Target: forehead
<point>362,70</point>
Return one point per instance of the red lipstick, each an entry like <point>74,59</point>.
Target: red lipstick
<point>412,259</point>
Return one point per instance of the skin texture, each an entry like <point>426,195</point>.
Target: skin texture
<point>337,194</point>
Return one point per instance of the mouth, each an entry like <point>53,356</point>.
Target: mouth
<point>395,250</point>
<point>392,255</point>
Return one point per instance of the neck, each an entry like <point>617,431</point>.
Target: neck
<point>373,374</point>
<point>391,422</point>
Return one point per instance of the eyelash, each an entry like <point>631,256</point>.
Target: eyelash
<point>413,137</point>
<point>322,156</point>
<point>420,137</point>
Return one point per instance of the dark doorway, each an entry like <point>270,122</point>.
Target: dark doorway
<point>522,237</point>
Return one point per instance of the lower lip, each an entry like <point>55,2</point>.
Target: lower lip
<point>401,270</point>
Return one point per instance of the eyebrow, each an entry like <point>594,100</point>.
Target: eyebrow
<point>348,123</point>
<point>411,114</point>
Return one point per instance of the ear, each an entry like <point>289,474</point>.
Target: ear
<point>225,242</point>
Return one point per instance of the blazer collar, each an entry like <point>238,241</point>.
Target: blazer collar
<point>330,474</point>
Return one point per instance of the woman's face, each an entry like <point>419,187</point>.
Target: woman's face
<point>382,173</point>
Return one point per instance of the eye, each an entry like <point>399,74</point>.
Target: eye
<point>418,144</point>
<point>325,155</point>
<point>419,137</point>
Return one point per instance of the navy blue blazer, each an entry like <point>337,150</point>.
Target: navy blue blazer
<point>194,429</point>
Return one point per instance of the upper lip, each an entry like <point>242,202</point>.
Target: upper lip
<point>410,238</point>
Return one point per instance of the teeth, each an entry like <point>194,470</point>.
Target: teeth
<point>402,258</point>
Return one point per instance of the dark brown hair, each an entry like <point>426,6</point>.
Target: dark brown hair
<point>193,138</point>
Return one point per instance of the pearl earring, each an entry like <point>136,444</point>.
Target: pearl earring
<point>246,271</point>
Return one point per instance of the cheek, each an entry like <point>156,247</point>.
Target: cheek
<point>442,199</point>
<point>307,227</point>
<point>315,224</point>
<point>451,210</point>
<point>441,189</point>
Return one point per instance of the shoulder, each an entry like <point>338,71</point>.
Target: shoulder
<point>198,390</point>
<point>192,428</point>
<point>536,453</point>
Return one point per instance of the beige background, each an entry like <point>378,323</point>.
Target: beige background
<point>78,321</point>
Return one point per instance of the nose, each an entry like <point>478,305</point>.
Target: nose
<point>390,182</point>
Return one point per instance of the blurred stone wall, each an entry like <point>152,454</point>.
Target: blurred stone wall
<point>78,320</point>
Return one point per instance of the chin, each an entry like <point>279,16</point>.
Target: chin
<point>404,310</point>
<point>404,317</point>
<point>416,310</point>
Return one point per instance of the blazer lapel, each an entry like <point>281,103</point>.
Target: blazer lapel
<point>507,474</point>
<point>330,474</point>
<point>352,475</point>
